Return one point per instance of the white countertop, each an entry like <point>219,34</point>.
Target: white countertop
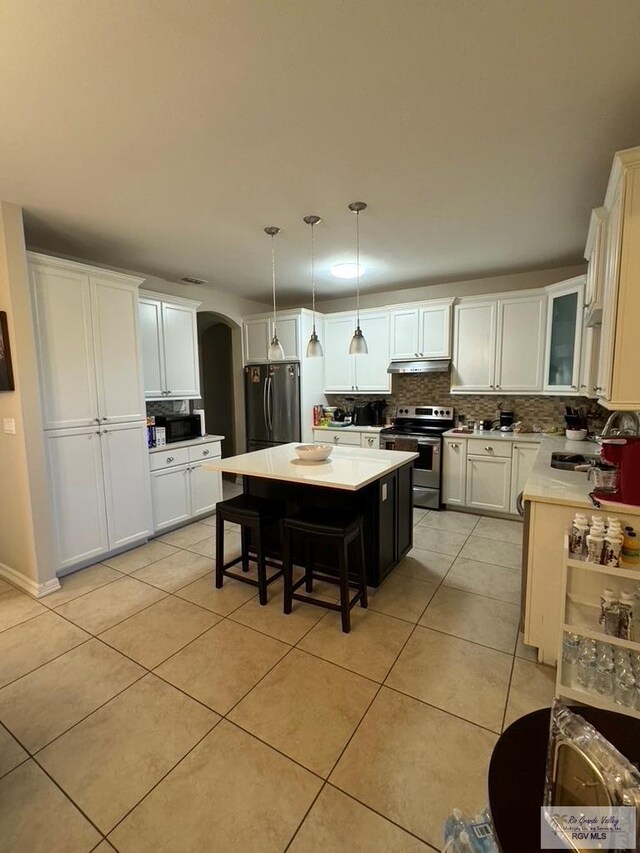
<point>349,468</point>
<point>353,428</point>
<point>495,434</point>
<point>191,442</point>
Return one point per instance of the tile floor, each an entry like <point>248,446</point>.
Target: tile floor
<point>143,710</point>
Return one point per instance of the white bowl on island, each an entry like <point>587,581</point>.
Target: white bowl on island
<point>314,452</point>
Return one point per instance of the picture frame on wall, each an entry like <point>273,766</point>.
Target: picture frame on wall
<point>6,368</point>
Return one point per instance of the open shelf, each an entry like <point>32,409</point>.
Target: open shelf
<point>595,700</point>
<point>601,637</point>
<point>621,572</point>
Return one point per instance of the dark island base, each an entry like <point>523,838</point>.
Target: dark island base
<point>385,505</point>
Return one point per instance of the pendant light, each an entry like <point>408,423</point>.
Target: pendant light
<point>314,347</point>
<point>275,351</point>
<point>358,345</point>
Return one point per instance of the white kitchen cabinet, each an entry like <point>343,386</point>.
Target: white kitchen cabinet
<point>372,442</point>
<point>77,494</point>
<point>520,343</point>
<point>258,331</point>
<point>126,478</point>
<point>169,333</point>
<point>488,482</point>
<point>523,455</point>
<point>454,471</point>
<point>474,346</point>
<point>170,497</point>
<point>595,253</point>
<point>564,336</point>
<point>357,373</point>
<point>88,345</point>
<point>337,436</point>
<point>205,489</point>
<point>422,331</point>
<point>589,359</point>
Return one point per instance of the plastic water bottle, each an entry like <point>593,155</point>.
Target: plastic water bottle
<point>587,664</point>
<point>480,832</point>
<point>454,825</point>
<point>624,688</point>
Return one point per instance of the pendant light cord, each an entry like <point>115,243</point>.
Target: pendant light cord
<point>313,280</point>
<point>273,283</point>
<point>358,269</point>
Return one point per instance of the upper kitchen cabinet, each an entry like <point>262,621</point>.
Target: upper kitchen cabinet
<point>520,343</point>
<point>88,346</point>
<point>564,336</point>
<point>618,386</point>
<point>474,346</point>
<point>356,373</point>
<point>169,335</point>
<point>258,331</point>
<point>421,331</point>
<point>594,254</point>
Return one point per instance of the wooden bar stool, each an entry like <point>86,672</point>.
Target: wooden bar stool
<point>254,515</point>
<point>335,531</point>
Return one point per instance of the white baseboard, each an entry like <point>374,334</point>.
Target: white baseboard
<point>37,590</point>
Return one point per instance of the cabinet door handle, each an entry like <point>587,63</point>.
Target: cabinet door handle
<point>104,419</point>
<point>498,386</point>
<point>574,387</point>
<point>492,386</point>
<point>336,439</point>
<point>169,458</point>
<point>597,388</point>
<point>205,452</point>
<point>489,449</point>
<point>454,446</point>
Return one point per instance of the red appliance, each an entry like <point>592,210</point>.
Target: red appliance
<point>624,453</point>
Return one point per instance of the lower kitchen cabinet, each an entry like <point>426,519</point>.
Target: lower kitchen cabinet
<point>100,490</point>
<point>182,488</point>
<point>489,483</point>
<point>522,459</point>
<point>454,471</point>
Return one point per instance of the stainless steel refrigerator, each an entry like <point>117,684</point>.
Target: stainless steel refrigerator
<point>272,402</point>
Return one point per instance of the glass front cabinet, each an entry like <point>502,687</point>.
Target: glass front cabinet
<point>564,336</point>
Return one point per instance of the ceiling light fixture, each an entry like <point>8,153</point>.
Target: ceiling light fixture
<point>314,347</point>
<point>346,270</point>
<point>188,279</point>
<point>275,351</point>
<point>358,345</point>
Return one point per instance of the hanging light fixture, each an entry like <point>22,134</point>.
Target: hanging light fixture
<point>275,351</point>
<point>314,347</point>
<point>358,345</point>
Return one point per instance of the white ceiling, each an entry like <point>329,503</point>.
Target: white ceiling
<point>162,136</point>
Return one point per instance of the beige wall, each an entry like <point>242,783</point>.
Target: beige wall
<point>469,287</point>
<point>26,531</point>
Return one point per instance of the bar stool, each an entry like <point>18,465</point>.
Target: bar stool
<point>333,530</point>
<point>254,515</point>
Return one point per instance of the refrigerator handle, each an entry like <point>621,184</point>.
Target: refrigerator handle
<point>270,403</point>
<point>264,403</point>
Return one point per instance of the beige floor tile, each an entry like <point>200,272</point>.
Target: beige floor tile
<point>412,763</point>
<point>223,601</point>
<point>419,514</point>
<point>140,557</point>
<point>46,702</point>
<point>36,817</point>
<point>526,652</point>
<point>306,708</point>
<point>175,571</point>
<point>484,579</point>
<point>222,665</point>
<point>105,607</point>
<point>184,537</point>
<point>532,687</point>
<point>338,824</point>
<point>81,582</point>
<point>369,649</point>
<point>463,678</point>
<point>5,587</point>
<point>16,607</point>
<point>104,847</point>
<point>500,529</point>
<point>156,633</point>
<point>207,548</point>
<point>30,644</point>
<point>11,753</point>
<point>402,596</point>
<point>492,551</point>
<point>453,522</point>
<point>440,541</point>
<point>231,793</point>
<point>425,565</point>
<point>270,618</point>
<point>109,761</point>
<point>473,617</point>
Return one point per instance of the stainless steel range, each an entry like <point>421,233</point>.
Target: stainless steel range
<point>419,429</point>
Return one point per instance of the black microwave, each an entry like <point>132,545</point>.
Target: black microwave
<point>179,427</point>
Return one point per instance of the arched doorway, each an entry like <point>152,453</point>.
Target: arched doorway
<point>215,342</point>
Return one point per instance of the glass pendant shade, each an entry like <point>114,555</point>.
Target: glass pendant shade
<point>314,347</point>
<point>275,351</point>
<point>358,345</point>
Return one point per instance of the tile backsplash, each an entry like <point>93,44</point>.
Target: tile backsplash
<point>167,407</point>
<point>434,388</point>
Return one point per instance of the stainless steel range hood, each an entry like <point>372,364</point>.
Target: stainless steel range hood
<point>423,365</point>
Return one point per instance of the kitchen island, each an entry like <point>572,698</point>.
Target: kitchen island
<point>377,484</point>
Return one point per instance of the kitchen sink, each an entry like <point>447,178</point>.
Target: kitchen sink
<point>569,461</point>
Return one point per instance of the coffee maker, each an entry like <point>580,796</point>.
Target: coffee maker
<point>624,453</point>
